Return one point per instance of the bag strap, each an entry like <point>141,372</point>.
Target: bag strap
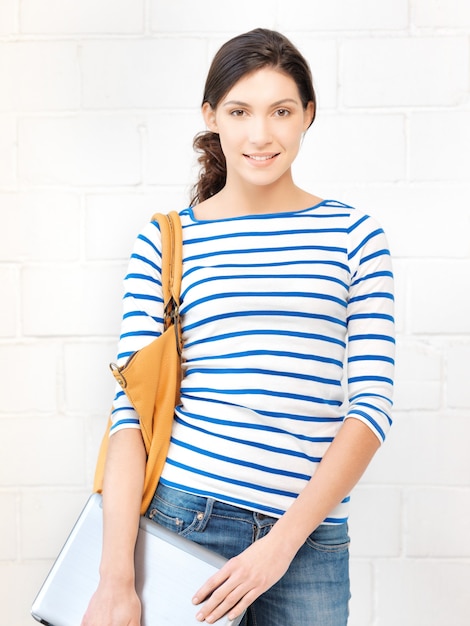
<point>172,270</point>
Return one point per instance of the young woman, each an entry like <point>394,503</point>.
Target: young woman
<point>287,312</point>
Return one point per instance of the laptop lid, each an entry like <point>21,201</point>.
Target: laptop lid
<point>169,569</point>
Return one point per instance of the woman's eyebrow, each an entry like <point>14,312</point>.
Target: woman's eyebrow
<point>285,101</point>
<point>245,104</point>
<point>237,103</point>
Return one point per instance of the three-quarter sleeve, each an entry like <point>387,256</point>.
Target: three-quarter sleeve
<point>371,341</point>
<point>142,319</point>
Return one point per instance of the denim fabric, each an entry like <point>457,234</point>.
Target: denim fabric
<point>315,589</point>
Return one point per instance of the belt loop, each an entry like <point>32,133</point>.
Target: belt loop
<point>203,517</point>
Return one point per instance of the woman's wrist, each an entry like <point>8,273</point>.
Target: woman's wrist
<point>118,570</point>
<point>286,541</point>
<point>121,578</point>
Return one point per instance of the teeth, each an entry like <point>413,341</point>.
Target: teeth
<point>261,158</point>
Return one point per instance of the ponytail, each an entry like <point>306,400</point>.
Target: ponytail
<point>213,172</point>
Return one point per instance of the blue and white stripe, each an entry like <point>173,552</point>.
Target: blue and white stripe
<point>288,330</point>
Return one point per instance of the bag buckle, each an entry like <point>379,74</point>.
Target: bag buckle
<point>171,317</point>
<point>118,375</point>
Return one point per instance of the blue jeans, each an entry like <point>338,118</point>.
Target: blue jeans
<point>315,589</point>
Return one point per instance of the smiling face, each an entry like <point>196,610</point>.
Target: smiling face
<point>260,122</point>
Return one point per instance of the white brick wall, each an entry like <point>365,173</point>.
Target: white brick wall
<point>50,78</point>
<point>8,153</point>
<point>438,14</point>
<point>405,71</point>
<point>111,82</point>
<point>87,17</point>
<point>8,17</point>
<point>98,105</point>
<point>440,145</point>
<point>79,150</point>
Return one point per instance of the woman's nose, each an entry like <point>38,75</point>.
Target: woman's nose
<point>260,133</point>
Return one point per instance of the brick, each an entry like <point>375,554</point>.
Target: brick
<point>9,281</point>
<point>423,448</point>
<point>39,76</point>
<point>458,389</point>
<point>322,56</point>
<point>47,519</point>
<point>426,538</point>
<point>114,221</point>
<point>343,15</point>
<point>87,16</point>
<point>181,16</point>
<point>418,375</point>
<point>8,526</point>
<point>421,209</point>
<point>375,521</point>
<point>436,302</point>
<point>143,74</point>
<point>58,460</point>
<point>80,150</point>
<point>72,300</point>
<point>425,591</point>
<point>362,594</point>
<point>171,159</point>
<point>440,146</point>
<point>8,147</point>
<point>29,374</point>
<point>20,582</point>
<point>89,384</point>
<point>383,72</point>
<point>438,14</point>
<point>352,147</point>
<point>8,17</point>
<point>43,224</point>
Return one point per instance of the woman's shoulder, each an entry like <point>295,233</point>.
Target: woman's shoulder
<point>356,215</point>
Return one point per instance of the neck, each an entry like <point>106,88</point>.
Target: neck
<point>242,199</point>
<point>237,199</point>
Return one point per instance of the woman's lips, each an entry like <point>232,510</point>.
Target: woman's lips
<point>261,159</point>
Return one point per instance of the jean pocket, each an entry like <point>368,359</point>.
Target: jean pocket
<point>177,517</point>
<point>330,538</point>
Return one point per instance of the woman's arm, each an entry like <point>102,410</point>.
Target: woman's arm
<point>247,576</point>
<point>115,601</point>
<point>341,468</point>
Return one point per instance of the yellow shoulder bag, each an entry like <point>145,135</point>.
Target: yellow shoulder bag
<point>151,377</point>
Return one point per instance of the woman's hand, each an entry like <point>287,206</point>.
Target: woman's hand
<point>241,580</point>
<point>113,605</point>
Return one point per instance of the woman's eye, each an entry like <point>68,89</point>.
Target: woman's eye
<point>282,112</point>
<point>237,112</point>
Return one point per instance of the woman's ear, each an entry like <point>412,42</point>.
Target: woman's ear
<point>309,113</point>
<point>208,114</point>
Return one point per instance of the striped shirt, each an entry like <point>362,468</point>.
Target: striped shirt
<point>288,329</point>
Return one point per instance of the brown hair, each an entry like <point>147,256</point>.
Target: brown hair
<point>238,57</point>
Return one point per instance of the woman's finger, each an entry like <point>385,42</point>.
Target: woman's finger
<point>213,583</point>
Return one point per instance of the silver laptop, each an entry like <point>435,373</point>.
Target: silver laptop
<point>165,590</point>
